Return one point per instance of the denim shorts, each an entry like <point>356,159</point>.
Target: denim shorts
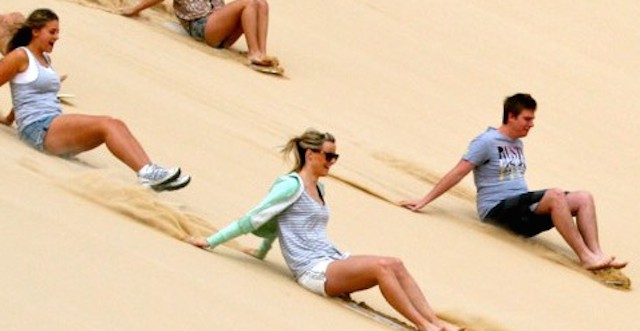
<point>34,133</point>
<point>197,27</point>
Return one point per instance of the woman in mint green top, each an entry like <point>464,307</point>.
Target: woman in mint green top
<point>296,213</point>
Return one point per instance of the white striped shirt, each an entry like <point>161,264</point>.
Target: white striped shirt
<point>303,236</point>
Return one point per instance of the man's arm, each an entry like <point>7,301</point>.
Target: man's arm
<point>453,177</point>
<point>142,5</point>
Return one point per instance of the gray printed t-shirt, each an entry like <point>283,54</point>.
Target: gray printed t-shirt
<point>499,168</point>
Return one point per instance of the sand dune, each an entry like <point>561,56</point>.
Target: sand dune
<point>403,85</point>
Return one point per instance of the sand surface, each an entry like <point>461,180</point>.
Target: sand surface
<point>404,86</point>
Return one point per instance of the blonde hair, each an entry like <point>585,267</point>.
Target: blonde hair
<point>310,139</point>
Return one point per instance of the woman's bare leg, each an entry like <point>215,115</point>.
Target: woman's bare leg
<point>74,133</point>
<point>250,17</point>
<point>263,25</point>
<point>397,286</point>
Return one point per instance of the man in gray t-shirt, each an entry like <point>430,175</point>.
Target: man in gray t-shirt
<point>499,170</point>
<point>497,160</point>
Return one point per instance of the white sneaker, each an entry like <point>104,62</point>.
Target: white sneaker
<point>153,175</point>
<point>175,184</point>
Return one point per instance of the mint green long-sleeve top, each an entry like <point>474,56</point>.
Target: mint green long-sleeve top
<point>262,220</point>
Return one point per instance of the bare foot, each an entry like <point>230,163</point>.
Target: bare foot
<point>599,264</point>
<point>128,12</point>
<point>198,242</point>
<point>430,327</point>
<point>449,326</point>
<point>617,264</point>
<point>266,61</point>
<point>272,59</point>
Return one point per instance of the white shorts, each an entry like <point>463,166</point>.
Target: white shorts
<point>314,279</point>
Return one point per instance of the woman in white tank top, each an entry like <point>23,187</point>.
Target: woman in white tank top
<point>38,115</point>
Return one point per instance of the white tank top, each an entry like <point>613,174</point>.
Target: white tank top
<point>35,92</point>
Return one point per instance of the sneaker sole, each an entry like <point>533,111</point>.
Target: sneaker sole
<point>166,181</point>
<point>176,184</point>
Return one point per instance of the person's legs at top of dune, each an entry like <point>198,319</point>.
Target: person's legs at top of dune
<point>220,25</point>
<point>9,23</point>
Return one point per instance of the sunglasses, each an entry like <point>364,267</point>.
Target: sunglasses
<point>328,155</point>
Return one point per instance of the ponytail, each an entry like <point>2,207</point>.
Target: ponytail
<point>310,139</point>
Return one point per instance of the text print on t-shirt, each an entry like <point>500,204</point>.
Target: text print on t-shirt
<point>512,163</point>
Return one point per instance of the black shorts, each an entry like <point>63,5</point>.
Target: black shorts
<point>515,214</point>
